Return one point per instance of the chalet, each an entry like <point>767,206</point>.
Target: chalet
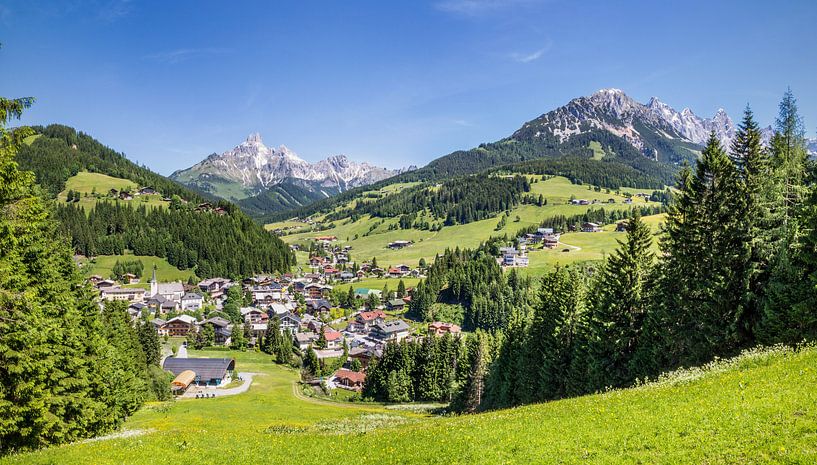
<point>125,195</point>
<point>290,323</point>
<point>438,328</point>
<point>316,291</point>
<point>395,272</point>
<point>364,355</point>
<point>216,287</point>
<point>192,301</point>
<point>157,324</point>
<point>611,200</point>
<point>128,294</point>
<point>628,200</point>
<point>95,279</point>
<point>361,274</point>
<point>325,238</point>
<point>590,227</point>
<point>513,257</point>
<point>163,305</point>
<point>347,276</point>
<point>377,271</point>
<point>277,309</point>
<point>348,379</point>
<point>396,305</point>
<point>391,331</point>
<point>274,292</point>
<point>622,226</point>
<point>113,193</point>
<point>105,283</point>
<point>135,309</point>
<point>254,315</point>
<point>365,320</point>
<point>208,371</point>
<point>304,340</point>
<point>130,278</point>
<point>399,244</point>
<point>147,191</point>
<point>318,262</point>
<point>179,326</point>
<point>580,202</point>
<point>550,241</point>
<point>221,327</point>
<point>334,339</point>
<point>316,306</point>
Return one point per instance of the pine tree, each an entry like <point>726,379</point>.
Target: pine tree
<point>401,289</point>
<point>321,343</point>
<point>617,307</point>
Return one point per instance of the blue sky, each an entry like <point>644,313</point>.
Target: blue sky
<point>392,83</point>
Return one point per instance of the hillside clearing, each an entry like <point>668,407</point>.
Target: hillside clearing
<point>94,187</point>
<point>757,409</point>
<point>165,272</point>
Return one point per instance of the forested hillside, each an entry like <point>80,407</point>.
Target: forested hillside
<point>216,240</point>
<point>67,370</point>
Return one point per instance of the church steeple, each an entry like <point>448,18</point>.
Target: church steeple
<point>154,285</point>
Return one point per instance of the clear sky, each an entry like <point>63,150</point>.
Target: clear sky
<point>392,83</point>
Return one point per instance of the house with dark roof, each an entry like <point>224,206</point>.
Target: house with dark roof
<point>391,331</point>
<point>318,305</point>
<point>221,327</point>
<point>209,371</point>
<point>396,305</point>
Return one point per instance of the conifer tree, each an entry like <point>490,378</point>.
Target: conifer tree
<point>401,289</point>
<point>617,304</point>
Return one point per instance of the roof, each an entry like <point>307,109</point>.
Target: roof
<point>352,376</point>
<point>184,318</point>
<point>369,316</point>
<point>279,309</point>
<point>158,321</point>
<point>318,303</point>
<point>246,310</point>
<point>205,368</point>
<point>291,316</point>
<point>170,288</point>
<point>123,290</point>
<point>192,295</point>
<point>306,337</point>
<point>332,335</point>
<point>397,302</point>
<point>391,327</point>
<point>184,379</point>
<point>217,321</point>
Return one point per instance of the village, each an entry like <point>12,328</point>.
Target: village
<point>343,329</point>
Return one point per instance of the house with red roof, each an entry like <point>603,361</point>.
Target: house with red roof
<point>349,379</point>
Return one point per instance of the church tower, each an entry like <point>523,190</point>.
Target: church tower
<point>154,285</point>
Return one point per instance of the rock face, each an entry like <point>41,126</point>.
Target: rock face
<point>251,168</point>
<point>645,126</point>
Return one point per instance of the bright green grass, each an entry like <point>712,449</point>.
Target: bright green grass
<point>761,408</point>
<point>378,284</point>
<point>89,183</point>
<point>583,247</point>
<point>165,272</point>
<point>598,151</point>
<point>427,244</point>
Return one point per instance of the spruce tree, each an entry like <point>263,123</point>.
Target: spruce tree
<point>617,304</point>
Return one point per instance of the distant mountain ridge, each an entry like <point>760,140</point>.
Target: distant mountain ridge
<point>251,169</point>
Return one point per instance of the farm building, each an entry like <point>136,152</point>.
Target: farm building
<point>181,382</point>
<point>209,371</point>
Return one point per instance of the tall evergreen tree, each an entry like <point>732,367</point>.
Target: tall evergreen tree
<point>617,304</point>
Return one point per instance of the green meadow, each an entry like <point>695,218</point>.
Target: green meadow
<point>758,408</point>
<point>165,272</point>
<point>369,237</point>
<point>94,187</point>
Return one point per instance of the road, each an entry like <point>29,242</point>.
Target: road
<point>219,392</point>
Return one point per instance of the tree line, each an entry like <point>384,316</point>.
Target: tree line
<point>212,244</point>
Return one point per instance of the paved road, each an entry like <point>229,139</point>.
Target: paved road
<point>247,377</point>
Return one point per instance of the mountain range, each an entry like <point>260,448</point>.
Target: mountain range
<point>253,169</point>
<point>643,142</point>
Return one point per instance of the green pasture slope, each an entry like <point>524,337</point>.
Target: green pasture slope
<point>94,187</point>
<point>759,408</point>
<point>102,265</point>
<point>557,190</point>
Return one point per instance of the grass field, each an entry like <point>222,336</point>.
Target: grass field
<point>759,408</point>
<point>94,188</point>
<point>378,284</point>
<point>165,272</point>
<point>557,190</point>
<point>30,139</point>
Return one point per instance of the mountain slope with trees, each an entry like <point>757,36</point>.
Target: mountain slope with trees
<point>217,239</point>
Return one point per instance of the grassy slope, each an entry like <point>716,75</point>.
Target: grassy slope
<point>556,190</point>
<point>86,183</point>
<point>759,410</point>
<point>165,272</point>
